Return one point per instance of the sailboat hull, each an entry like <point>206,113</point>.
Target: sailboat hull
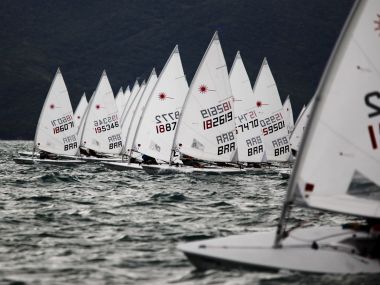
<point>330,254</point>
<point>171,169</point>
<point>101,159</point>
<point>122,166</point>
<point>64,162</point>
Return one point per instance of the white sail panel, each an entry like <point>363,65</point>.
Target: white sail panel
<point>206,127</point>
<point>80,111</point>
<point>102,131</point>
<point>134,114</point>
<point>83,121</point>
<point>121,100</point>
<point>250,141</point>
<point>129,98</point>
<point>56,132</point>
<point>155,134</point>
<point>300,127</point>
<point>288,112</point>
<point>339,162</point>
<point>128,112</point>
<point>266,93</point>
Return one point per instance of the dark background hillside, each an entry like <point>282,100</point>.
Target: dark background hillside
<point>128,38</point>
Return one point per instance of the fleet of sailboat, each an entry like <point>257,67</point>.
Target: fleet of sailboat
<point>220,124</point>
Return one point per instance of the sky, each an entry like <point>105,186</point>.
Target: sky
<point>129,38</point>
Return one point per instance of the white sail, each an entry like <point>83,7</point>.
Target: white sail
<point>56,132</point>
<point>250,141</point>
<point>127,93</point>
<point>288,112</point>
<point>121,100</point>
<point>83,121</point>
<point>129,98</point>
<point>126,120</point>
<point>300,114</point>
<point>102,131</point>
<point>300,127</point>
<point>206,128</point>
<point>158,122</point>
<point>134,114</point>
<point>339,164</point>
<point>80,111</point>
<point>266,93</point>
<point>271,116</point>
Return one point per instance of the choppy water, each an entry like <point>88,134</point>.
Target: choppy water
<point>91,225</point>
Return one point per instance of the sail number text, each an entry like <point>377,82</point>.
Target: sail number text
<point>62,124</point>
<point>106,124</point>
<point>166,122</point>
<point>272,124</point>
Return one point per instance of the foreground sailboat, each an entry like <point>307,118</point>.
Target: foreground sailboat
<point>56,133</point>
<point>344,149</point>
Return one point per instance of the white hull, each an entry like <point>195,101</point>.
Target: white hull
<point>255,251</point>
<point>22,160</point>
<point>171,169</point>
<point>101,159</point>
<point>122,166</point>
<point>27,153</point>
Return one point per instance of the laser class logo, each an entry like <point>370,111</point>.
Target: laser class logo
<point>162,96</point>
<point>203,89</point>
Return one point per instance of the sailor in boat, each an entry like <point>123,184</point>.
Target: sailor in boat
<point>89,152</point>
<point>47,155</point>
<point>191,161</point>
<point>148,159</point>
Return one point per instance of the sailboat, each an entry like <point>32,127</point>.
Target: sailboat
<point>132,160</point>
<point>337,170</point>
<point>250,140</point>
<point>101,135</point>
<point>289,119</point>
<point>158,118</point>
<point>206,126</point>
<point>80,111</point>
<point>299,128</point>
<point>56,133</point>
<point>272,117</point>
<point>121,100</point>
<point>129,98</point>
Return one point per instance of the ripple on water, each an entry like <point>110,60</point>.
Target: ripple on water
<point>91,225</point>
